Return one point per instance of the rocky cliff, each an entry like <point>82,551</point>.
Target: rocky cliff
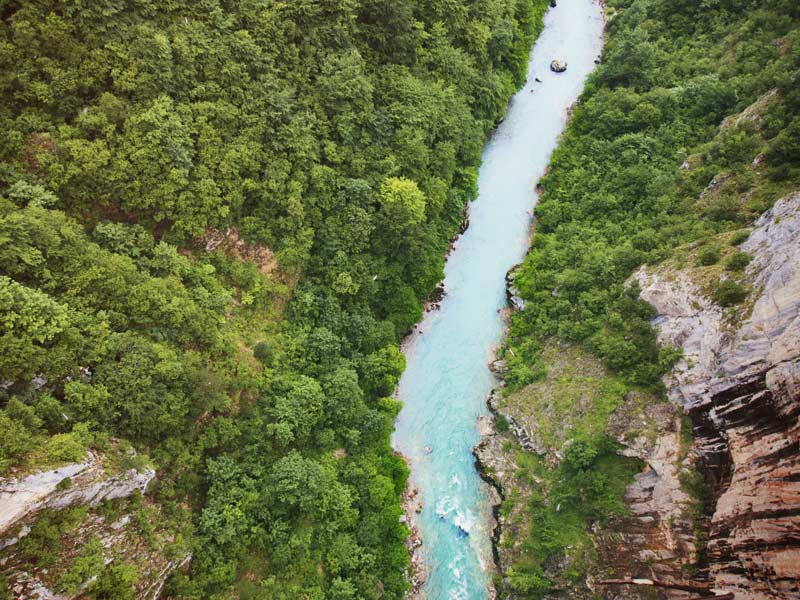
<point>85,482</point>
<point>61,527</point>
<point>739,380</point>
<point>718,500</point>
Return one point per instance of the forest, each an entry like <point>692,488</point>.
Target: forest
<point>217,220</point>
<point>650,168</point>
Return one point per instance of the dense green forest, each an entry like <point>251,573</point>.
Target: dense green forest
<point>217,219</point>
<point>649,169</point>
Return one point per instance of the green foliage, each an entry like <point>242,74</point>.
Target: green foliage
<point>264,352</point>
<point>327,151</point>
<point>739,237</point>
<point>15,440</point>
<point>729,293</point>
<point>64,448</point>
<point>588,485</point>
<point>709,255</point>
<point>616,197</point>
<point>42,544</point>
<point>403,203</point>
<point>686,130</point>
<point>115,582</point>
<point>87,564</point>
<point>737,261</point>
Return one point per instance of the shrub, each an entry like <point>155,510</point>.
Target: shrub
<point>500,423</point>
<point>740,237</point>
<point>86,565</point>
<point>708,256</point>
<point>729,292</point>
<point>264,353</point>
<point>64,448</point>
<point>738,261</point>
<point>115,582</point>
<point>15,440</point>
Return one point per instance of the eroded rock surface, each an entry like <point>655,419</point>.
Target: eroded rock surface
<point>88,484</point>
<point>741,385</point>
<point>498,466</point>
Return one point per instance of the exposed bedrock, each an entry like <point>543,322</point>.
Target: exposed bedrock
<point>88,484</point>
<point>740,382</point>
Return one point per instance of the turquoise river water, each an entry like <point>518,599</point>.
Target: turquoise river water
<point>447,379</point>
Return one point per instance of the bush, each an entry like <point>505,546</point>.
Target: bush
<point>86,565</point>
<point>15,440</point>
<point>708,256</point>
<point>740,237</point>
<point>738,261</point>
<point>64,448</point>
<point>500,423</point>
<point>729,292</point>
<point>115,583</point>
<point>264,353</point>
<point>64,484</point>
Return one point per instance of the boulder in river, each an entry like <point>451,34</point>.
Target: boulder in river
<point>552,3</point>
<point>558,66</point>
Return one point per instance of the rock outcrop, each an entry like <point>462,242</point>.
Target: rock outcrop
<point>77,483</point>
<point>735,480</point>
<point>513,296</point>
<point>740,382</point>
<point>88,483</point>
<point>656,539</point>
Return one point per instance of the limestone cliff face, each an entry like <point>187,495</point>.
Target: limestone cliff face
<point>151,548</point>
<point>88,484</point>
<point>740,383</point>
<point>737,390</point>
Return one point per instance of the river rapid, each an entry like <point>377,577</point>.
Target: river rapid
<point>447,380</point>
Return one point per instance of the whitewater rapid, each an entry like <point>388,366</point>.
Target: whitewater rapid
<point>447,380</point>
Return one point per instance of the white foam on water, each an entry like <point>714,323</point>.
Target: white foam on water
<point>465,520</point>
<point>446,505</point>
<point>447,379</point>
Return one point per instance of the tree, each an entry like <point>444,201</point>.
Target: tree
<point>402,203</point>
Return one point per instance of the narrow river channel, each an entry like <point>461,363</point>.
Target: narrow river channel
<point>447,379</point>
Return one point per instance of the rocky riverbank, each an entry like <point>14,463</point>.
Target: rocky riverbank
<point>418,573</point>
<point>718,500</point>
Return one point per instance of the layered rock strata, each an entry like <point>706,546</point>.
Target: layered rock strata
<point>739,385</point>
<point>86,483</point>
<point>740,382</point>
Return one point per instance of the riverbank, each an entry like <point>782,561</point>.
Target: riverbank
<point>418,573</point>
<point>648,425</point>
<point>444,386</point>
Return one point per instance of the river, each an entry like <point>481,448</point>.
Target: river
<point>447,379</point>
